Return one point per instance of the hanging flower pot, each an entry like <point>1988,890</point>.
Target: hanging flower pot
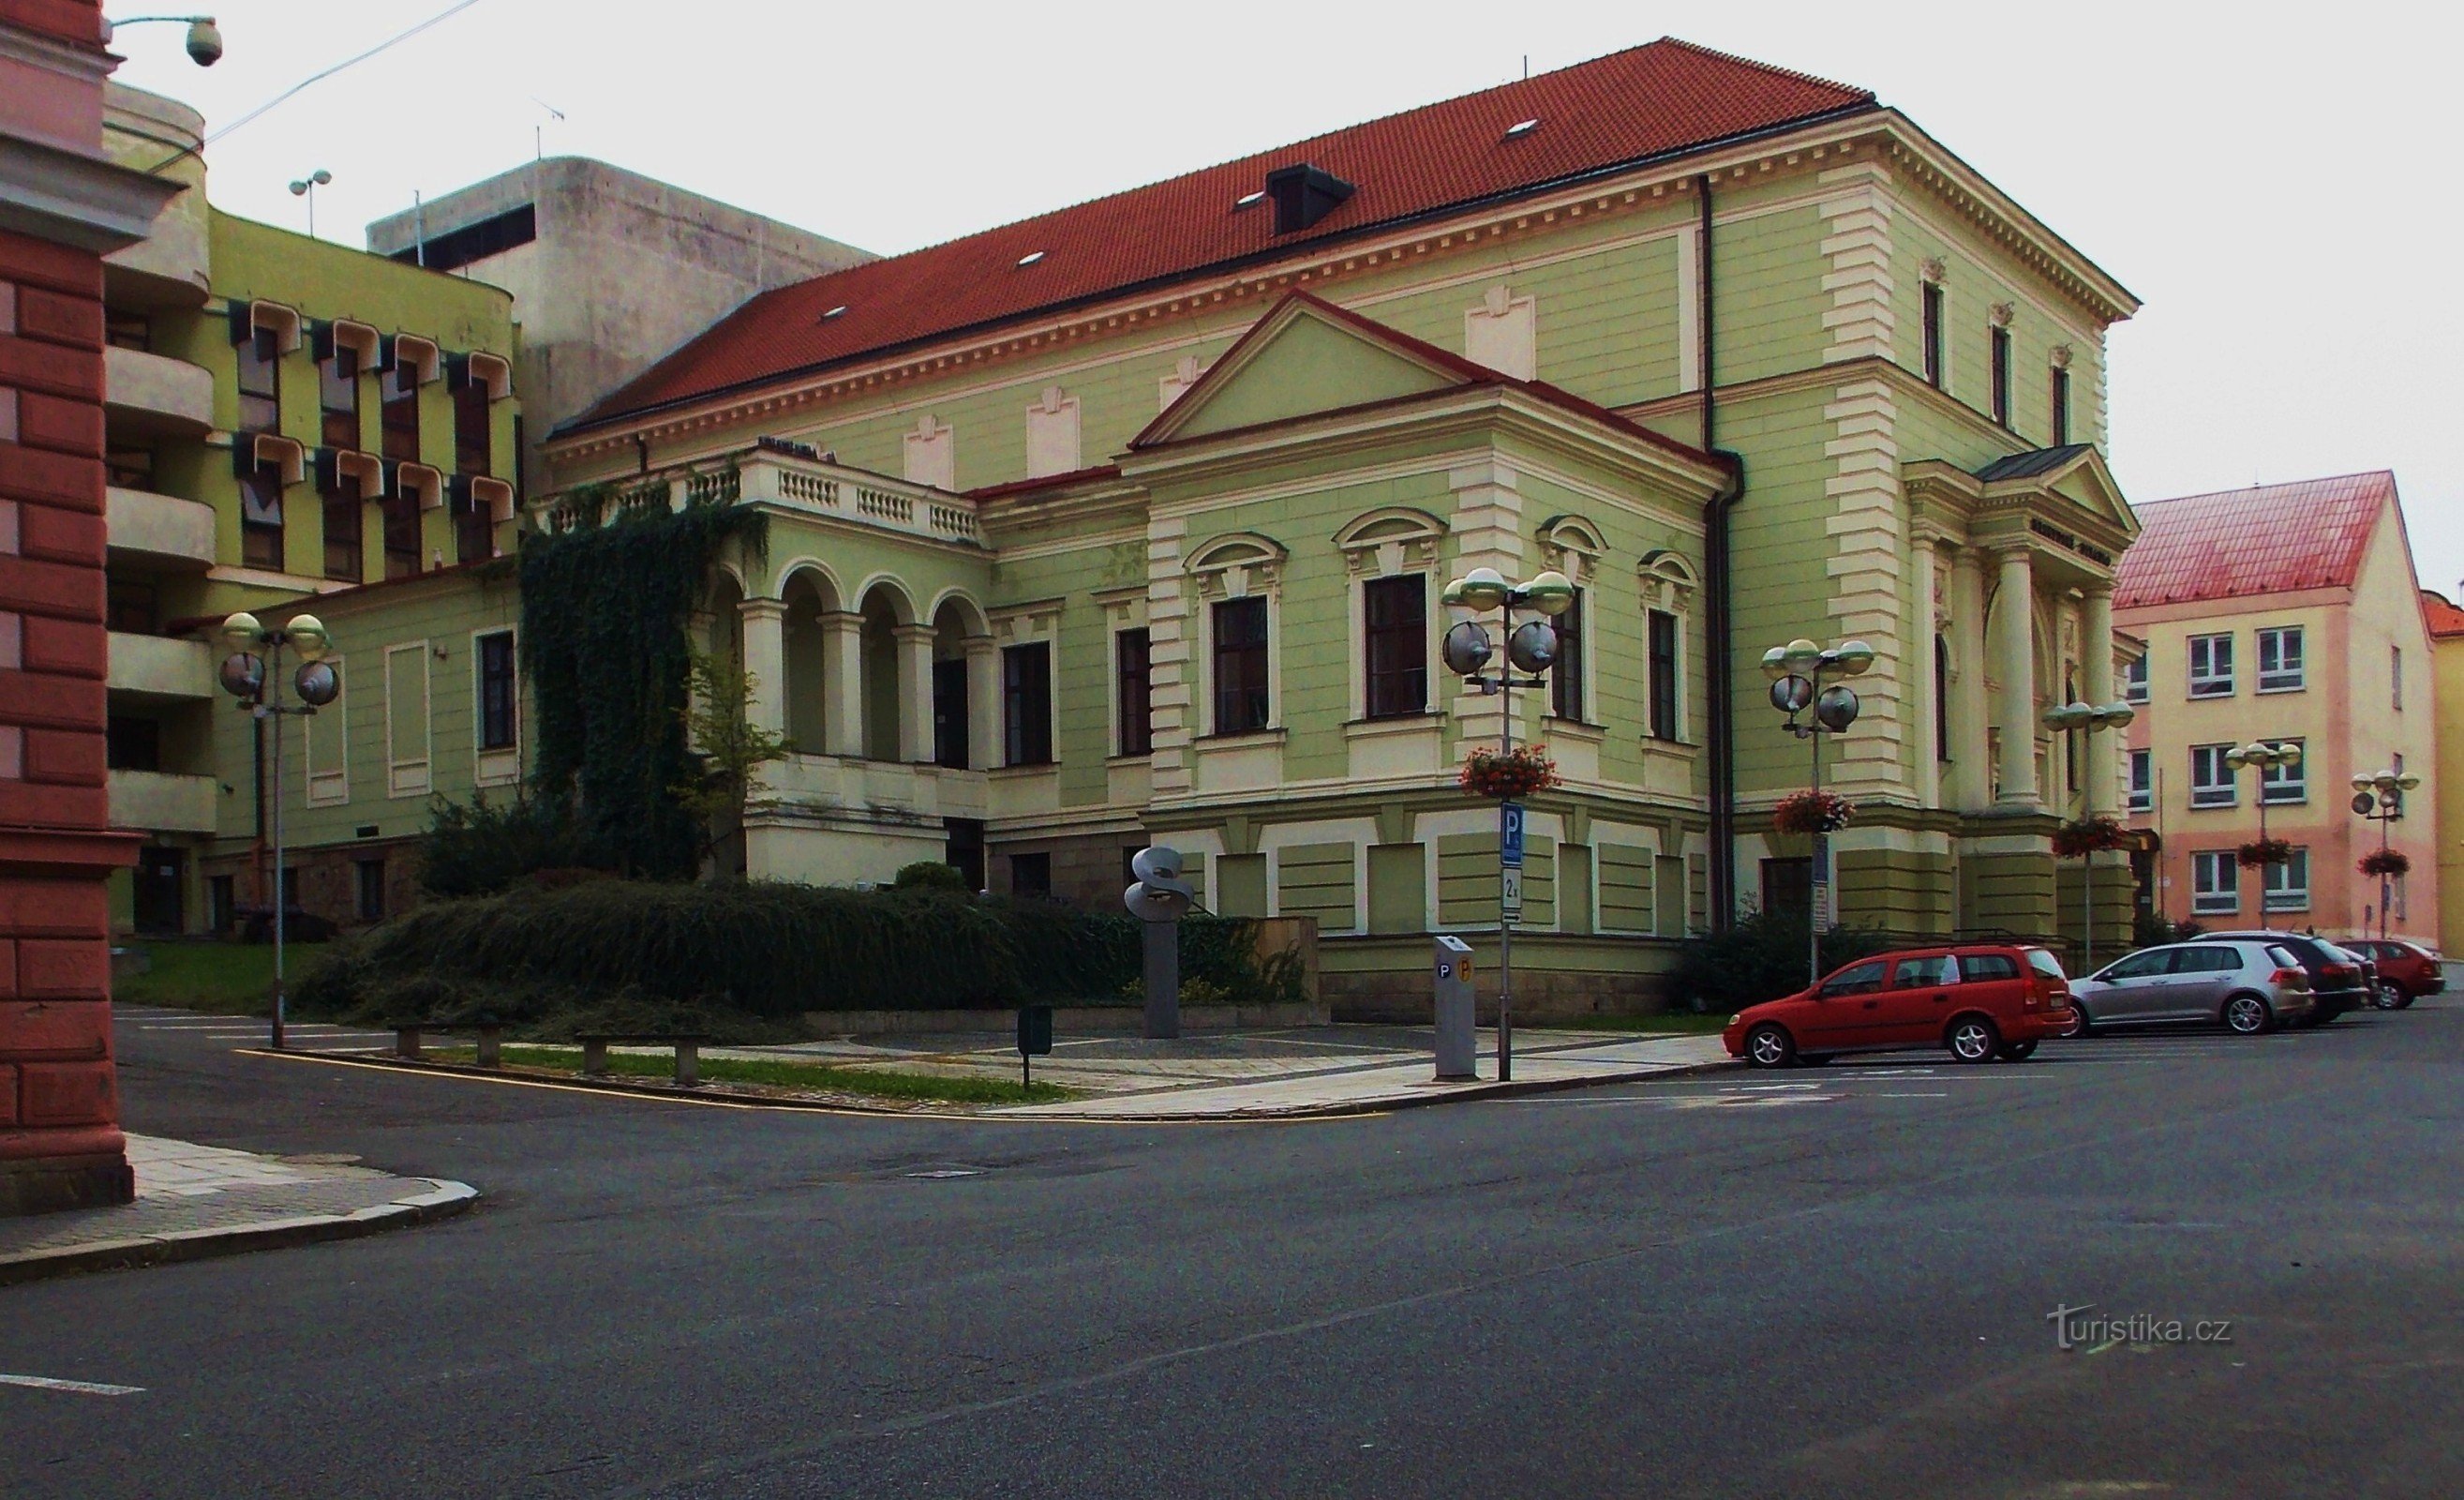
<point>1813,812</point>
<point>2263,852</point>
<point>1508,774</point>
<point>2081,837</point>
<point>2391,863</point>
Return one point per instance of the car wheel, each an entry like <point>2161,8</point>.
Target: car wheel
<point>2082,1023</point>
<point>2389,997</point>
<point>1972,1039</point>
<point>2015,1051</point>
<point>1769,1046</point>
<point>2248,1015</point>
<point>2406,1003</point>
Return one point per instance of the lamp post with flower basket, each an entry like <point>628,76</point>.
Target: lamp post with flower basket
<point>2093,833</point>
<point>1508,773</point>
<point>2380,798</point>
<point>1796,671</point>
<point>2263,853</point>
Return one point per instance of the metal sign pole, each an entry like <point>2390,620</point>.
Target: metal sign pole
<point>282,897</point>
<point>1504,921</point>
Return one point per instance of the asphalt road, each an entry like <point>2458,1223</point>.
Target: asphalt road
<point>1831,1282</point>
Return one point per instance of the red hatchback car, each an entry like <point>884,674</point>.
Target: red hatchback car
<point>2407,970</point>
<point>1981,1000</point>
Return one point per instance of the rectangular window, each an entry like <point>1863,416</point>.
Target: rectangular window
<point>1660,629</point>
<point>2061,407</point>
<point>1566,675</point>
<point>1394,622</point>
<point>1241,704</point>
<point>131,607</point>
<point>2134,681</point>
<point>2143,780</point>
<point>260,382</point>
<point>342,532</point>
<point>1030,874</point>
<point>2212,780</point>
<point>950,728</point>
<point>127,330</point>
<point>1026,703</point>
<point>499,694</point>
<point>2395,676</point>
<point>2288,885</point>
<point>2215,883</point>
<point>2000,354</point>
<point>2212,666</point>
<point>402,536</point>
<point>2284,784</point>
<point>132,744</point>
<point>1941,698</point>
<point>398,414</point>
<point>371,881</point>
<point>1131,682</point>
<point>222,901</point>
<point>472,413</point>
<point>475,530</point>
<point>1932,349</point>
<point>337,399</point>
<point>2279,660</point>
<point>260,518</point>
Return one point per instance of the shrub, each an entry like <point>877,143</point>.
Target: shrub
<point>930,875</point>
<point>2150,930</point>
<point>481,847</point>
<point>1763,958</point>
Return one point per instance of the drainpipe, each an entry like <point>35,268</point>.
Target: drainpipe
<point>1720,679</point>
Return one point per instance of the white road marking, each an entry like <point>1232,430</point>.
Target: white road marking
<point>41,1382</point>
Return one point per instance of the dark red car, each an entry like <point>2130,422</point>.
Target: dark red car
<point>1981,1000</point>
<point>2407,970</point>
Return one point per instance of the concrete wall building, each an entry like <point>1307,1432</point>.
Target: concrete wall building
<point>2283,612</point>
<point>2445,623</point>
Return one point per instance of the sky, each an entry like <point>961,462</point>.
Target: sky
<point>2269,181</point>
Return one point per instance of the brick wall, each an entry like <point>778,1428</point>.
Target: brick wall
<point>59,1139</point>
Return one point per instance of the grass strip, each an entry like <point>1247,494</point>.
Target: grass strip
<point>224,978</point>
<point>781,1074</point>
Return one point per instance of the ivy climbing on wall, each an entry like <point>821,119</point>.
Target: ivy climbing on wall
<point>605,611</point>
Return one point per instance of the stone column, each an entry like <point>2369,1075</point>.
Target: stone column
<point>843,682</point>
<point>2096,684</point>
<point>1972,777</point>
<point>1926,721</point>
<point>765,662</point>
<point>983,703</point>
<point>914,692</point>
<point>2014,663</point>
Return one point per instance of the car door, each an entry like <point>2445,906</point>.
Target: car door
<point>1846,1011</point>
<point>2129,990</point>
<point>1918,998</point>
<point>1994,982</point>
<point>2202,973</point>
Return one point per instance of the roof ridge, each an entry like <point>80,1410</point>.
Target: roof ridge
<point>2388,475</point>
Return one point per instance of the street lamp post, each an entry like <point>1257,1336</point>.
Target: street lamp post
<point>306,188</point>
<point>2091,721</point>
<point>1796,671</point>
<point>256,681</point>
<point>2266,756</point>
<point>2379,797</point>
<point>1530,647</point>
<point>204,38</point>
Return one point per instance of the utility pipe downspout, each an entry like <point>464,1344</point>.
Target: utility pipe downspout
<point>1719,678</point>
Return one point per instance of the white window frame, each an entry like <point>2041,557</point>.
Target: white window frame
<point>2223,792</point>
<point>409,775</point>
<point>2134,680</point>
<point>2206,681</point>
<point>1389,541</point>
<point>2280,891</point>
<point>1239,564</point>
<point>2281,679</point>
<point>2143,780</point>
<point>2215,883</point>
<point>2284,786</point>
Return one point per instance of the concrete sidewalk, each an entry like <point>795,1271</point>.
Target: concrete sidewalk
<point>197,1201</point>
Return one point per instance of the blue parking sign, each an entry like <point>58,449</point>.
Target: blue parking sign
<point>1510,847</point>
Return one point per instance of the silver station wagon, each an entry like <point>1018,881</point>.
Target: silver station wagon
<point>2245,986</point>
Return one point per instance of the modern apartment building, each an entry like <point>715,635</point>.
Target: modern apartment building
<point>2287,614</point>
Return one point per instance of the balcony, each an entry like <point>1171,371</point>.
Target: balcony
<point>157,531</point>
<point>154,396</point>
<point>792,484</point>
<point>162,802</point>
<point>160,666</point>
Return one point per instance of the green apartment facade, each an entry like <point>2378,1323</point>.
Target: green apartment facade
<point>1160,559</point>
<point>289,424</point>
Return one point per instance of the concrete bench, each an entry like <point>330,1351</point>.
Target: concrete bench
<point>407,1036</point>
<point>687,1048</point>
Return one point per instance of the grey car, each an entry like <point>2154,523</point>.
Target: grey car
<point>2245,986</point>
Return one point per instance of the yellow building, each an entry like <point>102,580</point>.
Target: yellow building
<point>2445,624</point>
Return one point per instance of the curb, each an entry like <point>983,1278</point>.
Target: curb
<point>1463,1093</point>
<point>443,1200</point>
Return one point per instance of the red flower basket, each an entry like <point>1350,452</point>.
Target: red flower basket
<point>2389,861</point>
<point>1813,812</point>
<point>2263,852</point>
<point>1508,774</point>
<point>2081,837</point>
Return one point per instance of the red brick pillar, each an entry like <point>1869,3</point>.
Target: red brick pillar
<point>60,1136</point>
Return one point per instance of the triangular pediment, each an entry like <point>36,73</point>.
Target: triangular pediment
<point>2077,474</point>
<point>1307,358</point>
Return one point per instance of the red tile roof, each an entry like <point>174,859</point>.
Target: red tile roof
<point>1652,100</point>
<point>2268,538</point>
<point>2442,618</point>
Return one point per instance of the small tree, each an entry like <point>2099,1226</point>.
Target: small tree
<point>728,753</point>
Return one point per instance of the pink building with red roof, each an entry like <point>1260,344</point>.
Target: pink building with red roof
<point>2283,614</point>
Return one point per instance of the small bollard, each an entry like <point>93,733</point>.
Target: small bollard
<point>1034,1040</point>
<point>1457,1040</point>
<point>492,1040</point>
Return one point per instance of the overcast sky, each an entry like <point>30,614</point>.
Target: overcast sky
<point>2278,195</point>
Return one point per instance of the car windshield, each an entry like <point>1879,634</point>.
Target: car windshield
<point>2046,964</point>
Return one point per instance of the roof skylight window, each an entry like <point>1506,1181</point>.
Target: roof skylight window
<point>839,311</point>
<point>1030,257</point>
<point>1249,200</point>
<point>1521,127</point>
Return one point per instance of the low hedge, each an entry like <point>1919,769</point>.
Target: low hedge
<point>641,953</point>
<point>1762,956</point>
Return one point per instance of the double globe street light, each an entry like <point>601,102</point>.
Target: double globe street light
<point>2379,797</point>
<point>1796,671</point>
<point>254,666</point>
<point>2282,755</point>
<point>1532,648</point>
<point>2089,721</point>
